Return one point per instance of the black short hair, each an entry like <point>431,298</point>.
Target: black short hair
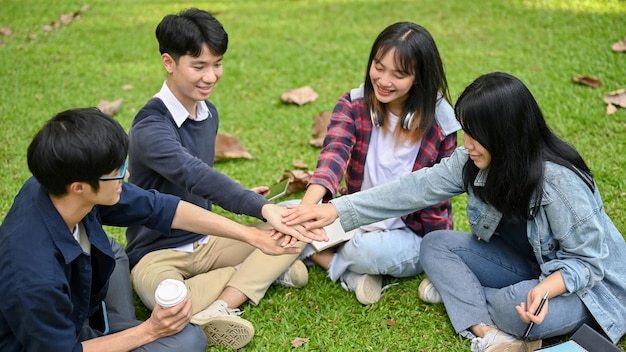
<point>186,32</point>
<point>78,145</point>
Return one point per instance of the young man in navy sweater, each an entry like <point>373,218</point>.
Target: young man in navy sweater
<point>172,149</point>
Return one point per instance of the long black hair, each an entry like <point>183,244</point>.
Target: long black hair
<point>415,53</point>
<point>500,113</point>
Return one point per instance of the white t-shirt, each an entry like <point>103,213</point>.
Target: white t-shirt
<point>386,162</point>
<point>80,235</point>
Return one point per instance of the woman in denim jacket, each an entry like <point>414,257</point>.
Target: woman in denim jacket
<point>537,220</point>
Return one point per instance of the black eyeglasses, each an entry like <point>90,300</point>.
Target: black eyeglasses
<point>120,177</point>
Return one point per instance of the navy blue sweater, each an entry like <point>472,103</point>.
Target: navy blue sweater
<point>179,161</point>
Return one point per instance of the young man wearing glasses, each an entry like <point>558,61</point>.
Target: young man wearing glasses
<point>172,149</point>
<point>57,265</point>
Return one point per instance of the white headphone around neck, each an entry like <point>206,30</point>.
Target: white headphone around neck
<point>406,121</point>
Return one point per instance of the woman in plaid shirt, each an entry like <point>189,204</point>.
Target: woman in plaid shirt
<point>398,121</point>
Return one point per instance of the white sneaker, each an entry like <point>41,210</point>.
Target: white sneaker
<point>297,276</point>
<point>499,341</point>
<point>428,293</point>
<point>223,326</point>
<point>368,288</point>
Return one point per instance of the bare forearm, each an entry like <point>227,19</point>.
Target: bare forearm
<point>554,283</point>
<point>195,219</point>
<point>126,340</point>
<point>314,194</point>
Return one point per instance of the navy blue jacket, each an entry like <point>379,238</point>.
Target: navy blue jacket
<point>49,287</point>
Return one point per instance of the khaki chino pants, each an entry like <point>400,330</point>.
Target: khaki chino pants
<point>209,269</point>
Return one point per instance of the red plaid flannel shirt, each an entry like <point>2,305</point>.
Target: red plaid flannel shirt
<point>345,149</point>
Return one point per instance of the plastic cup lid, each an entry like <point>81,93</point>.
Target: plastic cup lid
<point>170,292</point>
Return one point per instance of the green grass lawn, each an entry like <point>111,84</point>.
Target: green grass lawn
<point>110,52</point>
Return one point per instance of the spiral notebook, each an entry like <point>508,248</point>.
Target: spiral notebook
<point>585,339</point>
<point>567,346</point>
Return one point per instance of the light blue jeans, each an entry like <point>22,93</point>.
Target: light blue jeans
<point>482,282</point>
<point>394,253</point>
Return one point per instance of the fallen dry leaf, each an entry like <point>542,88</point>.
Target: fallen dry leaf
<point>587,81</point>
<point>299,341</point>
<point>619,46</point>
<point>65,19</point>
<point>298,180</point>
<point>617,98</point>
<point>5,31</point>
<point>299,96</point>
<point>229,147</point>
<point>300,164</point>
<point>391,322</point>
<point>110,107</point>
<point>611,109</point>
<point>320,126</point>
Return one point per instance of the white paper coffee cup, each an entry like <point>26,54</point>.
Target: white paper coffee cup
<point>170,292</point>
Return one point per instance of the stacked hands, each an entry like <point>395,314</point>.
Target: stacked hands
<point>293,223</point>
<point>290,225</point>
<point>298,223</point>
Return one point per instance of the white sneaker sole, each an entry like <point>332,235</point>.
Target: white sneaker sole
<point>298,275</point>
<point>428,293</point>
<point>228,331</point>
<point>369,290</point>
<point>515,346</point>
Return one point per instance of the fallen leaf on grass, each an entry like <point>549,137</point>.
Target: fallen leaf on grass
<point>299,96</point>
<point>5,31</point>
<point>619,46</point>
<point>391,322</point>
<point>110,107</point>
<point>299,341</point>
<point>229,147</point>
<point>611,109</point>
<point>298,180</point>
<point>300,164</point>
<point>320,126</point>
<point>587,81</point>
<point>617,98</point>
<point>66,19</point>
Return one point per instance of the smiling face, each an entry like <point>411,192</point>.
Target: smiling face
<point>192,79</point>
<point>479,155</point>
<point>391,84</point>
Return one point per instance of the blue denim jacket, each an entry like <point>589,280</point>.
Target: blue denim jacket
<point>571,232</point>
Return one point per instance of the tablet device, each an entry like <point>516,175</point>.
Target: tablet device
<point>278,190</point>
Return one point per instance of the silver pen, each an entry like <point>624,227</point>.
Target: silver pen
<point>531,324</point>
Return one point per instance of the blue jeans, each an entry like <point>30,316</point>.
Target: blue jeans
<point>394,253</point>
<point>482,282</point>
<point>121,313</point>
